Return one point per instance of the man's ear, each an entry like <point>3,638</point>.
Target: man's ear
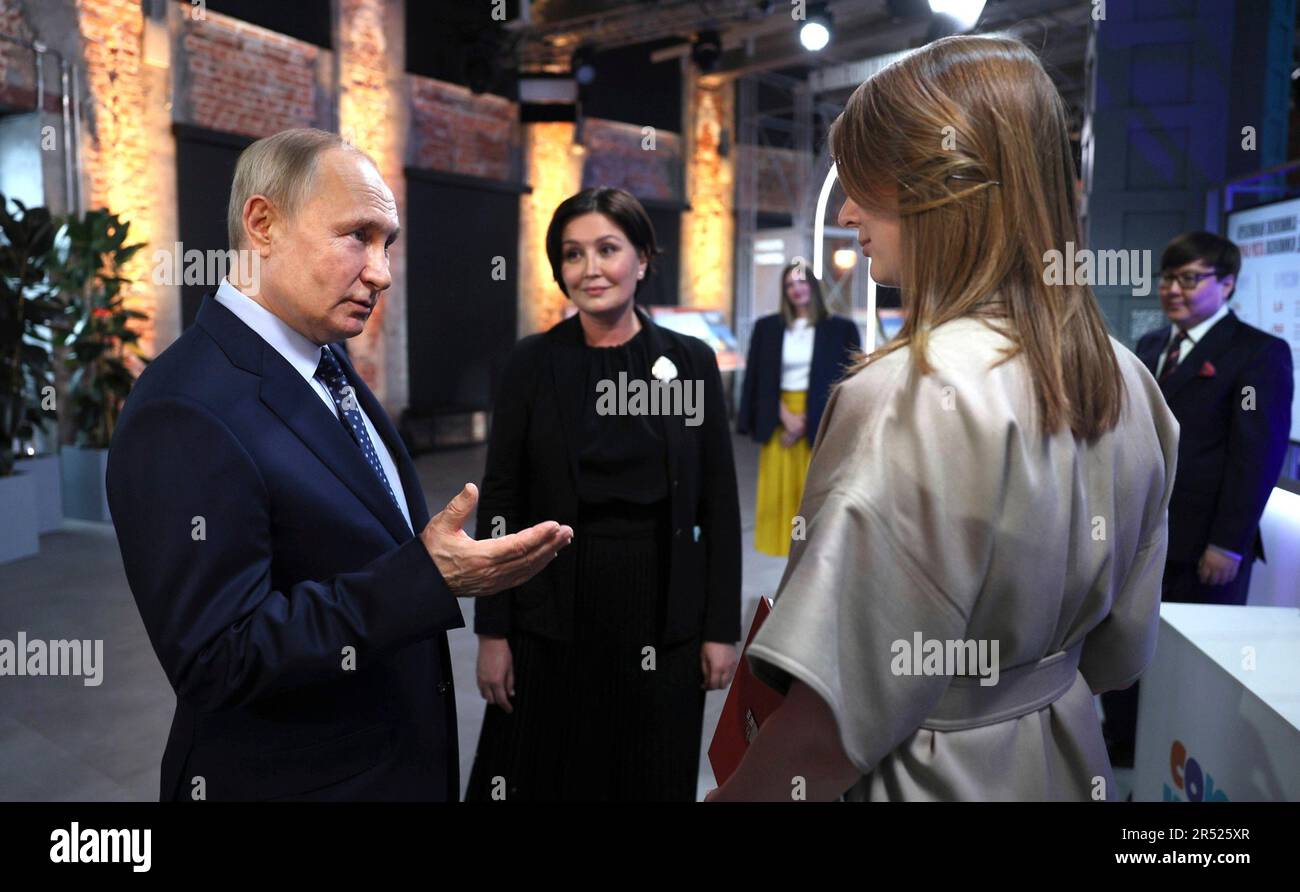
<point>1231,283</point>
<point>260,216</point>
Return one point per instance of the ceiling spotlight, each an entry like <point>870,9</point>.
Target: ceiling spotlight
<point>816,30</point>
<point>706,49</point>
<point>583,65</point>
<point>965,13</point>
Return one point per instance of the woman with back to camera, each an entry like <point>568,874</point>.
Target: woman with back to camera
<point>595,670</point>
<point>991,485</point>
<point>794,358</point>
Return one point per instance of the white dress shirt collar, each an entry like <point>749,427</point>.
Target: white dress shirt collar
<point>301,353</point>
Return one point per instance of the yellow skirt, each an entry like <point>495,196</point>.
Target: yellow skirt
<point>781,474</point>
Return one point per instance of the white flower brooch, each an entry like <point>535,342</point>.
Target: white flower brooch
<point>663,369</point>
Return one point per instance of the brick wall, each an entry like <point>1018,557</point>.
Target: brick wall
<point>216,72</point>
<point>622,155</point>
<point>239,78</point>
<point>116,157</point>
<point>17,75</point>
<point>708,228</point>
<point>455,131</point>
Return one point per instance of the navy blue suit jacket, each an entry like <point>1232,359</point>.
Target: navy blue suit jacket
<point>1229,454</point>
<point>834,341</point>
<point>298,619</point>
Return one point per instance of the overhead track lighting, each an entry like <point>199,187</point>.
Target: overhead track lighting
<point>816,30</point>
<point>964,13</point>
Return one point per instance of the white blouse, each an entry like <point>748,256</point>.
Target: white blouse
<point>796,355</point>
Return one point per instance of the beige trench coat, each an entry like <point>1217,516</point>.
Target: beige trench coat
<point>933,507</point>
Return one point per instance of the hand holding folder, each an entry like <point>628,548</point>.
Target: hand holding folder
<point>748,705</point>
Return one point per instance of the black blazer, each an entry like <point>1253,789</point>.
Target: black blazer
<point>532,474</point>
<point>1229,457</point>
<point>834,341</point>
<point>303,555</point>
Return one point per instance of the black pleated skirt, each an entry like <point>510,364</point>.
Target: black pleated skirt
<point>612,715</point>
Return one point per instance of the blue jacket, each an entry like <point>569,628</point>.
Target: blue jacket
<point>1229,457</point>
<point>834,341</point>
<point>262,552</point>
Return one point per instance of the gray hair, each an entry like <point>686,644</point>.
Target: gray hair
<point>281,167</point>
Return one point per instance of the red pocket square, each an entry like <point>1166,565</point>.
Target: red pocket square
<point>1207,370</point>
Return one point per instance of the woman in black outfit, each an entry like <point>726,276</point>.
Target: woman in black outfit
<point>595,670</point>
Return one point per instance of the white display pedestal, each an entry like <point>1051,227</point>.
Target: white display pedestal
<point>1219,710</point>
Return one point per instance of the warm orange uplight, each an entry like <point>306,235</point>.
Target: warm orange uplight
<point>116,156</point>
<point>555,173</point>
<point>708,232</point>
<point>366,114</point>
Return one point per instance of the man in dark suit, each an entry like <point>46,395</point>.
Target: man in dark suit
<point>1230,387</point>
<point>267,514</point>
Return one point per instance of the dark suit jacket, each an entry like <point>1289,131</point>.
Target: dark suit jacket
<point>1229,456</point>
<point>303,555</point>
<point>532,474</point>
<point>834,340</point>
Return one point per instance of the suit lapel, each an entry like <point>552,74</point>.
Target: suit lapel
<point>568,378</point>
<point>1150,354</point>
<point>295,402</point>
<point>290,397</point>
<point>1209,347</point>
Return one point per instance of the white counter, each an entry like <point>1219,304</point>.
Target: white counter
<point>1219,711</point>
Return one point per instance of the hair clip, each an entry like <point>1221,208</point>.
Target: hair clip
<point>957,176</point>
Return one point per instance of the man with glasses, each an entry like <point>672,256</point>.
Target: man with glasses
<point>1230,386</point>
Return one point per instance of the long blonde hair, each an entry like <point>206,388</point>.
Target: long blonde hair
<point>970,134</point>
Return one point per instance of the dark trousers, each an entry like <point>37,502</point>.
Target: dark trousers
<point>1180,585</point>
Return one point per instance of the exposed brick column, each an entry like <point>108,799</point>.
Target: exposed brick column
<point>554,170</point>
<point>709,228</point>
<point>116,150</point>
<point>374,115</point>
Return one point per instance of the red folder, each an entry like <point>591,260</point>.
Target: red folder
<point>749,703</point>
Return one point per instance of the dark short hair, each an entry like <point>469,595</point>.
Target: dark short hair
<point>1213,250</point>
<point>619,206</point>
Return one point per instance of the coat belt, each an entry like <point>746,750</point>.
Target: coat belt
<point>1019,691</point>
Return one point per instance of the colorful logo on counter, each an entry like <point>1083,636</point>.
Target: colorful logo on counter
<point>1191,782</point>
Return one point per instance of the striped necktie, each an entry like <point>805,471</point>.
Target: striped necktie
<point>1172,356</point>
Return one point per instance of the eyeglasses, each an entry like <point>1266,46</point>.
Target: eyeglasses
<point>1186,281</point>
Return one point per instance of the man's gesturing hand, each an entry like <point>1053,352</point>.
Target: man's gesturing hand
<point>474,568</point>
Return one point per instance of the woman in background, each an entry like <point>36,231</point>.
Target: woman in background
<point>991,485</point>
<point>794,358</point>
<point>595,670</point>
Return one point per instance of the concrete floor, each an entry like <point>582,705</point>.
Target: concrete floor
<point>63,741</point>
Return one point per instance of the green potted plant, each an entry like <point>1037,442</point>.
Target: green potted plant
<point>96,351</point>
<point>26,310</point>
